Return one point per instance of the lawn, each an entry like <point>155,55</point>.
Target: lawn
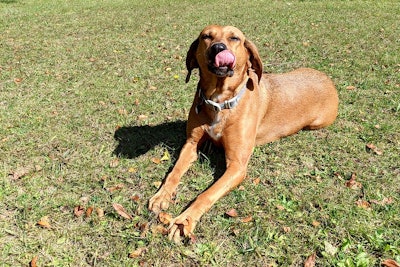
<point>93,105</point>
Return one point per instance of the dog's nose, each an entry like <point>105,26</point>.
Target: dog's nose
<point>218,47</point>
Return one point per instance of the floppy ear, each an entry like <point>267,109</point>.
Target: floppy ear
<point>191,61</point>
<point>254,58</point>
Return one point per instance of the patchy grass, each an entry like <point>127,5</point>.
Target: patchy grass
<point>92,95</point>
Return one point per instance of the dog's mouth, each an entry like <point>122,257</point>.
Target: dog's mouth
<point>222,63</point>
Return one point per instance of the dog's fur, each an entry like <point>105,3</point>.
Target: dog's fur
<point>273,106</point>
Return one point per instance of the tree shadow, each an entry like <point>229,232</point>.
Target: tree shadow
<point>134,141</point>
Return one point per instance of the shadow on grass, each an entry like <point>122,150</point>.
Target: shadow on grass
<point>134,141</point>
<point>8,1</point>
<point>138,140</point>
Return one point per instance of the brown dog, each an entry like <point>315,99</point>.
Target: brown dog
<point>239,107</point>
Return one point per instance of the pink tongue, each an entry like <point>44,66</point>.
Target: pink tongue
<point>225,59</point>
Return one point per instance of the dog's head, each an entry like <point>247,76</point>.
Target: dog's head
<point>222,51</point>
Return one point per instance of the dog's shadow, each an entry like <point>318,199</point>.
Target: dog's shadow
<point>134,141</point>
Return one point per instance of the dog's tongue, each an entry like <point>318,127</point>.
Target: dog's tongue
<point>225,58</point>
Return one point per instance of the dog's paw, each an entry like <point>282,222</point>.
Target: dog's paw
<point>181,226</point>
<point>160,201</point>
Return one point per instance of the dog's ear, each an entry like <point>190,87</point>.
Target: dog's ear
<point>191,61</point>
<point>254,58</point>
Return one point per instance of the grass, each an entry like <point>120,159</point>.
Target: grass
<point>92,94</point>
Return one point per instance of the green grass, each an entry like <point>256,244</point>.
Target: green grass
<point>83,83</point>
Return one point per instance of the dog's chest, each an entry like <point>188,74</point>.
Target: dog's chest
<point>215,129</point>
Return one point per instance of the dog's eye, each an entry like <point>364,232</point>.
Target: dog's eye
<point>206,37</point>
<point>234,38</point>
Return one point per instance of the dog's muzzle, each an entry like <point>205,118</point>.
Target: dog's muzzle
<point>221,60</point>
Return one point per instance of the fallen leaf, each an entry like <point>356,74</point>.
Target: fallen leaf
<point>121,211</point>
<point>79,211</point>
<point>350,87</point>
<point>192,238</point>
<point>144,228</point>
<point>280,207</point>
<point>330,249</point>
<point>122,111</point>
<point>256,181</point>
<point>89,212</point>
<point>33,262</point>
<point>166,156</point>
<point>383,202</point>
<point>137,253</point>
<point>374,149</point>
<point>156,160</point>
<point>100,212</point>
<point>157,184</point>
<point>159,229</point>
<point>232,213</point>
<point>352,183</point>
<point>114,163</point>
<point>390,263</point>
<point>241,188</point>
<point>132,170</point>
<point>142,117</point>
<point>316,223</point>
<point>164,218</point>
<point>17,80</point>
<point>44,222</point>
<point>287,229</point>
<point>115,188</point>
<point>310,262</point>
<point>363,204</point>
<point>247,219</point>
<point>135,198</point>
<point>21,172</point>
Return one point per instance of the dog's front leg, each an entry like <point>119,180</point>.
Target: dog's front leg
<point>162,199</point>
<point>237,161</point>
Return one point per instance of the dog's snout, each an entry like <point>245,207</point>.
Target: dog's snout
<point>218,47</point>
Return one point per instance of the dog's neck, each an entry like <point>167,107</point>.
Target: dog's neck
<point>221,89</point>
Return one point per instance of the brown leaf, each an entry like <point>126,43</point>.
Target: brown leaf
<point>232,213</point>
<point>159,229</point>
<point>115,188</point>
<point>137,253</point>
<point>310,262</point>
<point>100,212</point>
<point>287,229</point>
<point>122,111</point>
<point>121,211</point>
<point>135,198</point>
<point>363,204</point>
<point>114,163</point>
<point>316,223</point>
<point>247,219</point>
<point>352,183</point>
<point>89,212</point>
<point>142,117</point>
<point>256,181</point>
<point>79,211</point>
<point>390,263</point>
<point>17,80</point>
<point>280,207</point>
<point>164,218</point>
<point>350,87</point>
<point>374,149</point>
<point>44,222</point>
<point>33,262</point>
<point>384,202</point>
<point>156,160</point>
<point>21,172</point>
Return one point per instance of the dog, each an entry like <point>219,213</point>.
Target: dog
<point>238,107</point>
